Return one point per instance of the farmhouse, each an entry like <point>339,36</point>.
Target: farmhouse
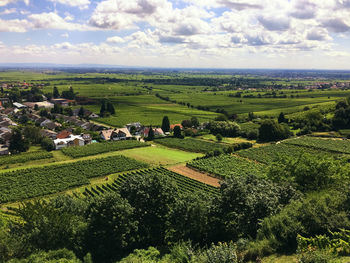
<point>157,132</point>
<point>19,105</point>
<point>115,134</point>
<point>41,104</point>
<point>72,140</point>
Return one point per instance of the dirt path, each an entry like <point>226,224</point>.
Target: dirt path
<point>201,177</point>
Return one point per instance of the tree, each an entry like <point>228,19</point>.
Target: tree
<point>251,116</point>
<point>111,227</point>
<point>166,124</point>
<point>270,130</point>
<point>110,108</point>
<point>36,107</point>
<point>150,136</point>
<point>186,123</point>
<point>103,108</point>
<point>33,134</point>
<point>47,144</point>
<point>195,122</point>
<point>219,137</point>
<point>225,128</point>
<point>153,197</point>
<point>177,132</point>
<point>281,118</point>
<point>17,142</point>
<point>55,93</point>
<point>243,202</point>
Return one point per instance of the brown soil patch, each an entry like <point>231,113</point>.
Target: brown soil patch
<point>201,177</point>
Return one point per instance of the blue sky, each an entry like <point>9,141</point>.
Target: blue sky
<point>178,33</point>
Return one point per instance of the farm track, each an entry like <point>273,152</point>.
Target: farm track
<point>195,175</point>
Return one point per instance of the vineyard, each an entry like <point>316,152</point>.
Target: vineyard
<point>339,146</point>
<point>184,184</point>
<point>24,157</point>
<point>97,148</point>
<point>228,165</point>
<point>32,182</point>
<point>270,153</point>
<point>191,145</point>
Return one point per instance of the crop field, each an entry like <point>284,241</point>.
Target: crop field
<point>270,153</point>
<point>228,165</point>
<point>332,145</point>
<point>32,182</point>
<point>191,145</point>
<point>184,183</point>
<point>149,110</point>
<point>98,148</point>
<point>24,157</point>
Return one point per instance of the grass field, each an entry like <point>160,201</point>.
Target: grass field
<point>160,155</point>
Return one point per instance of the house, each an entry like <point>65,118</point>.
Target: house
<point>41,104</point>
<point>87,113</point>
<point>50,134</point>
<point>72,140</point>
<point>172,126</point>
<point>50,124</point>
<point>157,132</point>
<point>19,105</point>
<point>87,125</point>
<point>62,102</point>
<point>115,134</point>
<point>93,115</point>
<point>87,138</point>
<point>137,127</point>
<point>4,150</point>
<point>64,134</point>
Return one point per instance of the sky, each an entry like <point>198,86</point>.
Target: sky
<point>291,34</point>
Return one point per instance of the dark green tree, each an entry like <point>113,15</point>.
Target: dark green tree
<point>177,132</point>
<point>150,136</point>
<point>153,197</point>
<point>110,108</point>
<point>32,133</point>
<point>81,112</point>
<point>103,108</point>
<point>47,144</point>
<point>55,93</point>
<point>270,130</point>
<point>195,122</point>
<point>218,137</point>
<point>165,124</point>
<point>281,118</point>
<point>17,142</point>
<point>111,227</point>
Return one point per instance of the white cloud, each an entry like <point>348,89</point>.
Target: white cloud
<point>14,25</point>
<point>8,11</point>
<point>115,40</point>
<point>6,2</point>
<point>65,35</point>
<point>82,4</point>
<point>53,21</point>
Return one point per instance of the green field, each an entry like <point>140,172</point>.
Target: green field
<point>159,155</point>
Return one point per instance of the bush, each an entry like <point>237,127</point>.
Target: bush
<point>315,256</point>
<point>221,253</point>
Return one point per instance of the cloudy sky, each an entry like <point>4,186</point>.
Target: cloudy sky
<point>178,33</point>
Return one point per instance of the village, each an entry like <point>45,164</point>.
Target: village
<point>64,130</point>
